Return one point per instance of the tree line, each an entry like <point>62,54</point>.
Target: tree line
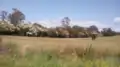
<point>17,16</point>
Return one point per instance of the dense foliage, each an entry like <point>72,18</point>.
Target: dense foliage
<point>15,25</point>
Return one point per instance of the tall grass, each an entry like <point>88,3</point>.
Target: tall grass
<point>86,58</point>
<point>49,59</point>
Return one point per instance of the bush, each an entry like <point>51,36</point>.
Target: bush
<point>52,32</point>
<point>108,32</point>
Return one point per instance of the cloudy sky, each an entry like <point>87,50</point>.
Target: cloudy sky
<point>102,13</point>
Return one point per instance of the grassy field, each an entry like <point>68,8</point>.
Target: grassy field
<point>62,52</point>
<point>101,44</point>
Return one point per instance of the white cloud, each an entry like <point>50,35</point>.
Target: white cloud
<point>116,24</point>
<point>117,20</point>
<point>100,25</point>
<point>85,23</point>
<point>54,23</point>
<point>89,23</point>
<point>49,23</point>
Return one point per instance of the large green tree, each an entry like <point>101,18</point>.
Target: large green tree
<point>93,28</point>
<point>3,14</point>
<point>65,22</point>
<point>16,17</point>
<point>108,32</point>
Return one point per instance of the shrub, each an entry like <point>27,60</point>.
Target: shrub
<point>108,32</point>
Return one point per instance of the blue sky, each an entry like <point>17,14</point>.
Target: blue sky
<point>103,13</point>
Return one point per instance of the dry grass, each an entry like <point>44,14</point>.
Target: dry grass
<point>83,52</point>
<point>103,45</point>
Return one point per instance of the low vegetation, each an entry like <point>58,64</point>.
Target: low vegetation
<point>36,29</point>
<point>69,57</point>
